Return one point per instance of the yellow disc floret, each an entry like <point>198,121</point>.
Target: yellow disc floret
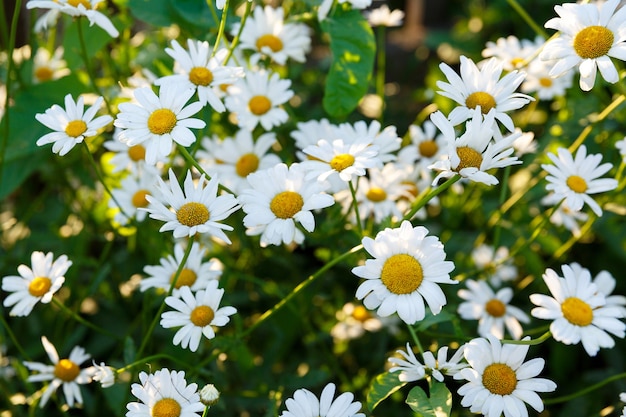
<point>201,76</point>
<point>76,128</point>
<point>271,41</point>
<point>202,316</point>
<point>495,308</point>
<point>247,164</point>
<point>577,312</point>
<point>428,148</point>
<point>482,99</point>
<point>139,198</point>
<point>39,286</point>
<point>192,214</point>
<point>402,274</point>
<point>137,153</point>
<point>161,121</point>
<point>75,3</point>
<point>166,407</point>
<point>187,278</point>
<point>499,379</point>
<point>376,194</point>
<point>341,162</point>
<point>593,42</point>
<point>469,158</point>
<point>44,73</point>
<point>576,183</point>
<point>66,370</point>
<point>286,204</point>
<point>361,314</point>
<point>259,105</point>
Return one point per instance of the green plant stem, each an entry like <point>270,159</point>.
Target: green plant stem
<point>220,31</point>
<point>206,411</point>
<point>529,20</point>
<point>503,192</point>
<point>530,342</point>
<point>151,358</point>
<point>157,316</point>
<point>415,338</point>
<point>526,242</point>
<point>235,41</point>
<point>380,68</point>
<point>584,391</point>
<point>303,285</point>
<point>189,158</point>
<point>16,343</point>
<point>428,195</point>
<point>85,57</point>
<point>211,5</point>
<point>82,321</point>
<point>355,205</point>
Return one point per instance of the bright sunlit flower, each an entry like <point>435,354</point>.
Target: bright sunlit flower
<point>310,132</point>
<point>589,35</point>
<point>407,268</point>
<point>499,381</point>
<point>131,196</point>
<point>483,88</point>
<point>538,80</point>
<point>164,393</point>
<point>256,99</point>
<point>305,404</point>
<point>48,67</point>
<point>198,70</point>
<point>575,178</point>
<point>578,311</point>
<point>63,372</point>
<point>347,160</point>
<point>77,8</point>
<point>157,121</point>
<point>71,125</point>
<point>197,209</point>
<point>491,309</point>
<point>511,51</point>
<point>196,314</point>
<point>128,158</point>
<point>386,140</point>
<point>36,283</point>
<point>278,198</point>
<point>496,265</point>
<point>385,17</point>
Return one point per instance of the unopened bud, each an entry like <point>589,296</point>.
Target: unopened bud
<point>209,395</point>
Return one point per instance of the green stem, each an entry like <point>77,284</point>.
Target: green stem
<point>415,339</point>
<point>16,343</point>
<point>211,5</point>
<point>503,192</point>
<point>85,57</point>
<point>82,321</point>
<point>151,358</point>
<point>529,20</point>
<point>235,41</point>
<point>526,242</point>
<point>303,285</point>
<point>220,31</point>
<point>380,68</point>
<point>584,391</point>
<point>428,195</point>
<point>355,205</point>
<point>189,158</point>
<point>530,342</point>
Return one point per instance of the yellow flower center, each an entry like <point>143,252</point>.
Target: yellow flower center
<point>482,99</point>
<point>39,286</point>
<point>224,87</point>
<point>166,407</point>
<point>285,205</point>
<point>428,148</point>
<point>161,121</point>
<point>341,162</point>
<point>411,188</point>
<point>259,105</point>
<point>202,316</point>
<point>361,314</point>
<point>186,278</point>
<point>593,42</point>
<point>577,312</point>
<point>499,379</point>
<point>66,370</point>
<point>495,308</point>
<point>139,198</point>
<point>192,214</point>
<point>201,76</point>
<point>75,128</point>
<point>75,3</point>
<point>137,153</point>
<point>576,183</point>
<point>469,158</point>
<point>246,164</point>
<point>402,274</point>
<point>376,194</point>
<point>517,62</point>
<point>43,73</point>
<point>545,82</point>
<point>271,41</point>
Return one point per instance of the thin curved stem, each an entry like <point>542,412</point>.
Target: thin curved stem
<point>151,358</point>
<point>584,391</point>
<point>220,31</point>
<point>189,158</point>
<point>85,57</point>
<point>355,205</point>
<point>527,18</point>
<point>530,342</point>
<point>235,41</point>
<point>428,195</point>
<point>415,339</point>
<point>82,321</point>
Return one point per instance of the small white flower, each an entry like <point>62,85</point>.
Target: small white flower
<point>427,145</point>
<point>563,215</point>
<point>131,196</point>
<point>494,263</point>
<point>347,160</point>
<point>77,8</point>
<point>385,17</point>
<point>411,369</point>
<point>511,51</point>
<point>48,67</point>
<point>354,320</point>
<point>305,404</point>
<point>104,374</point>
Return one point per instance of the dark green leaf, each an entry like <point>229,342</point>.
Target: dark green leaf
<point>96,39</point>
<point>154,12</point>
<point>382,387</point>
<point>438,405</point>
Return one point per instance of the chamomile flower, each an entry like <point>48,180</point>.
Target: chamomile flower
<point>589,36</point>
<point>157,121</point>
<point>310,132</point>
<point>164,393</point>
<point>47,67</point>
<point>483,88</point>
<point>473,153</point>
<point>538,80</point>
<point>353,320</point>
<point>256,98</point>
<point>563,215</point>
<point>197,69</point>
<point>36,283</point>
<point>411,369</point>
<point>407,268</point>
<point>131,196</point>
<point>268,35</point>
<point>196,210</point>
<point>578,311</point>
<point>63,372</point>
<point>305,404</point>
<point>386,140</point>
<point>427,145</point>
<point>525,143</point>
<point>605,282</point>
<point>278,198</point>
<point>71,125</point>
<point>511,51</point>
<point>384,17</point>
<point>195,274</point>
<point>494,263</point>
<point>129,158</point>
<point>103,374</point>
<point>575,178</point>
<point>348,160</point>
<point>78,8</point>
<point>491,309</point>
<point>196,314</point>
<point>498,379</point>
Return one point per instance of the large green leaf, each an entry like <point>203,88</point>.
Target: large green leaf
<point>154,12</point>
<point>192,15</point>
<point>95,39</point>
<point>438,405</point>
<point>382,387</point>
<point>353,49</point>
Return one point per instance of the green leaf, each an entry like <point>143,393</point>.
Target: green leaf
<point>154,12</point>
<point>383,386</point>
<point>438,405</point>
<point>96,39</point>
<point>432,319</point>
<point>353,48</point>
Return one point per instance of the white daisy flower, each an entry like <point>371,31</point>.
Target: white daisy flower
<point>164,393</point>
<point>578,311</point>
<point>310,132</point>
<point>538,80</point>
<point>197,69</point>
<point>483,87</point>
<point>386,140</point>
<point>347,160</point>
<point>305,404</point>
<point>605,282</point>
<point>155,121</point>
<point>71,125</point>
<point>494,263</point>
<point>233,159</point>
<point>473,153</point>
<point>129,158</point>
<point>131,196</point>
<point>256,99</point>
<point>499,381</point>
<point>278,198</point>
<point>564,216</point>
<point>382,16</point>
<point>78,8</point>
<point>195,274</point>
<point>574,179</point>
<point>63,372</point>
<point>196,314</point>
<point>589,35</point>
<point>103,374</point>
<point>36,283</point>
<point>196,210</point>
<point>525,143</point>
<point>48,67</point>
<point>407,267</point>
<point>411,369</point>
<point>353,320</point>
<point>426,147</point>
<point>511,51</point>
<point>268,35</point>
<point>491,309</point>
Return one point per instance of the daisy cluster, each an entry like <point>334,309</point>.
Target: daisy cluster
<point>210,167</point>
